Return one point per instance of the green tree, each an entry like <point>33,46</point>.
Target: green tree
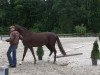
<point>60,16</point>
<point>95,51</point>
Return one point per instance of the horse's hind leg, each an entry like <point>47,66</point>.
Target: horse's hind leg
<point>32,51</point>
<point>50,48</point>
<point>54,54</point>
<point>50,55</point>
<point>53,50</point>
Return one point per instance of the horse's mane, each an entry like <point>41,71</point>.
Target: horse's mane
<point>21,27</point>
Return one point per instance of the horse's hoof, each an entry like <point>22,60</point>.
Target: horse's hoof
<point>20,63</point>
<point>54,62</point>
<point>34,62</point>
<point>48,60</point>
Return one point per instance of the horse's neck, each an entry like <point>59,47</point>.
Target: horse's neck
<point>25,33</point>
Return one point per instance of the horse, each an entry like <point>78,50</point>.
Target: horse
<point>36,39</point>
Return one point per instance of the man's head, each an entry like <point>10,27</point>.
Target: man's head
<point>12,28</point>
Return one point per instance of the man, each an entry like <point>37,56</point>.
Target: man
<point>13,40</point>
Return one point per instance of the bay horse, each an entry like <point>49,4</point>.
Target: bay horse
<point>33,39</point>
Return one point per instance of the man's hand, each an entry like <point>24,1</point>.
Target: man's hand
<point>8,40</point>
<point>3,40</point>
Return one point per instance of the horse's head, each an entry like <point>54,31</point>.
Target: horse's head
<point>20,29</point>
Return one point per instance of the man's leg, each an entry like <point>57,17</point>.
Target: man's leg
<point>9,55</point>
<point>14,55</point>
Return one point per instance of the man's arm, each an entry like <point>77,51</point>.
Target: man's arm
<point>11,38</point>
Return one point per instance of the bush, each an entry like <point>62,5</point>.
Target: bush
<point>80,29</point>
<point>57,30</point>
<point>40,52</point>
<point>95,51</point>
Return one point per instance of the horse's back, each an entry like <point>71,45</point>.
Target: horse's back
<point>39,39</point>
<point>45,34</point>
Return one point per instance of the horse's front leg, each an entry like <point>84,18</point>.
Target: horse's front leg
<point>32,51</point>
<point>25,50</point>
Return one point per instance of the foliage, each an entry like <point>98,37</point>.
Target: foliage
<point>40,51</point>
<point>80,29</point>
<point>95,51</point>
<point>60,16</point>
<point>3,30</point>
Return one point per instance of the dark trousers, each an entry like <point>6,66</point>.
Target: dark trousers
<point>11,54</point>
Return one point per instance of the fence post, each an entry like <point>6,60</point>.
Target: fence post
<point>1,37</point>
<point>4,70</point>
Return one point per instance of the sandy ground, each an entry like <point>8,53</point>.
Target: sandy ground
<point>73,65</point>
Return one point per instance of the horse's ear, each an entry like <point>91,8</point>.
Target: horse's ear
<point>17,27</point>
<point>14,24</point>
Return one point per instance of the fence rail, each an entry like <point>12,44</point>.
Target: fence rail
<point>65,35</point>
<point>2,36</point>
<point>78,35</point>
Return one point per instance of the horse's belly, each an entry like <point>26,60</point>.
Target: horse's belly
<point>34,43</point>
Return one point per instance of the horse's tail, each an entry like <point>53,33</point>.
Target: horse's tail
<point>60,47</point>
